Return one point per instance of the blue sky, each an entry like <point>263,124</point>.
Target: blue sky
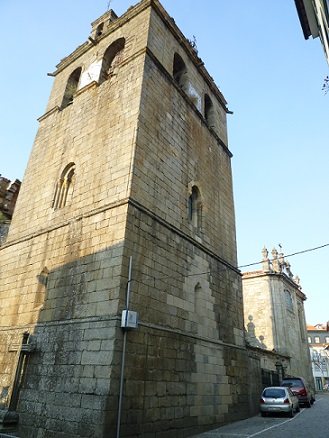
<point>271,78</point>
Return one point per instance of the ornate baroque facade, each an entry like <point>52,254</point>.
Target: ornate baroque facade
<point>275,319</point>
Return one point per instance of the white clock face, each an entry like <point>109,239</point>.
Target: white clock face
<point>91,74</point>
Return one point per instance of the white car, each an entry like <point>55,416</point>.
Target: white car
<point>278,399</point>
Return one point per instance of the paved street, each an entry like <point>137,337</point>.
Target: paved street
<point>312,422</point>
<point>308,423</point>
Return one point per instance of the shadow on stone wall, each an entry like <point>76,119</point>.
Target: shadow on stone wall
<point>71,378</point>
<point>251,338</point>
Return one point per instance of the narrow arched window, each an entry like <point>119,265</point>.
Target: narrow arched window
<point>209,112</point>
<point>113,56</point>
<point>289,301</point>
<point>71,87</point>
<point>195,207</point>
<point>302,324</point>
<point>199,300</point>
<point>64,187</point>
<point>99,30</point>
<point>180,72</point>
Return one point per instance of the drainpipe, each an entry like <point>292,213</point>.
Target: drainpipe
<point>124,351</point>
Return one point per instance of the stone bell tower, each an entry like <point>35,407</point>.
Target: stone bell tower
<point>128,187</point>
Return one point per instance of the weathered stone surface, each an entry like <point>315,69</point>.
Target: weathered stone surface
<point>8,417</point>
<point>143,150</point>
<point>275,318</point>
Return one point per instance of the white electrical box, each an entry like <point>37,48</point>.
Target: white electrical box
<point>129,319</point>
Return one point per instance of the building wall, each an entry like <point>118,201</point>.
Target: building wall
<point>258,309</point>
<point>177,148</point>
<point>8,197</point>
<point>314,19</point>
<point>273,322</point>
<point>318,337</point>
<point>79,247</point>
<point>98,132</point>
<point>140,144</point>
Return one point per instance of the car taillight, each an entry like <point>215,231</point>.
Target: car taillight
<point>302,392</point>
<point>286,401</point>
<point>261,401</point>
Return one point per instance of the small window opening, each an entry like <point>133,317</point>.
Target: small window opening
<point>64,187</point>
<point>113,56</point>
<point>71,87</point>
<point>195,208</point>
<point>180,72</point>
<point>301,323</point>
<point>289,301</point>
<point>99,30</point>
<point>199,299</point>
<point>209,112</point>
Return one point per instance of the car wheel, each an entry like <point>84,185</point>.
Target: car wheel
<point>309,404</point>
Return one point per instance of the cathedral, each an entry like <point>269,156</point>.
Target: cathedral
<point>120,298</point>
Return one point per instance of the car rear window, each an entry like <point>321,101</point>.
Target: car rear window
<point>293,383</point>
<point>274,392</point>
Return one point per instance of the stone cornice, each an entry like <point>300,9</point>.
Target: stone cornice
<point>262,351</point>
<point>279,275</point>
<point>183,235</point>
<point>65,223</point>
<point>117,321</point>
<point>53,110</point>
<point>124,201</point>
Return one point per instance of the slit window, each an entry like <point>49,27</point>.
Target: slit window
<point>195,207</point>
<point>289,301</point>
<point>209,112</point>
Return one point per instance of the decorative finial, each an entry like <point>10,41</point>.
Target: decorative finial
<point>265,262</point>
<point>281,257</point>
<point>275,261</point>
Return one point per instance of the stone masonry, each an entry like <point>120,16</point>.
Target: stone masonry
<point>130,162</point>
<point>8,196</point>
<point>275,318</point>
